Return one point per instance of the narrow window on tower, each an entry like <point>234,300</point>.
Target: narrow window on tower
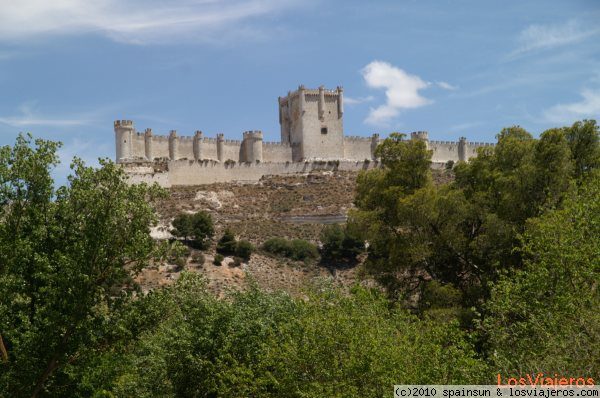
<point>323,130</point>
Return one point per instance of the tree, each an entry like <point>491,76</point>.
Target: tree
<point>584,141</point>
<point>259,344</point>
<point>66,260</point>
<point>198,227</point>
<point>340,245</point>
<point>463,233</point>
<point>545,316</point>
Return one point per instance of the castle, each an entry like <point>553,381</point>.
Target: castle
<point>312,138</point>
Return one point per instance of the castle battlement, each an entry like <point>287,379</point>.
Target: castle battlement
<point>311,138</point>
<point>357,138</point>
<point>123,123</point>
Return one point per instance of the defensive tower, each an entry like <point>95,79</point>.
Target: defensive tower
<point>123,136</point>
<point>312,123</point>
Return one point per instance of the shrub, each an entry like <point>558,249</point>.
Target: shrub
<point>297,249</point>
<point>450,165</point>
<point>196,227</point>
<point>303,250</point>
<point>227,244</point>
<point>339,244</point>
<point>218,259</point>
<point>244,249</point>
<point>278,246</point>
<point>177,255</point>
<point>198,258</point>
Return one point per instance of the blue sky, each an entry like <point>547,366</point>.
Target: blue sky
<point>68,68</point>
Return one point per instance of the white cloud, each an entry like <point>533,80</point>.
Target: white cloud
<point>447,86</point>
<point>357,100</point>
<point>134,21</point>
<point>30,117</point>
<point>589,106</point>
<point>539,37</point>
<point>401,91</point>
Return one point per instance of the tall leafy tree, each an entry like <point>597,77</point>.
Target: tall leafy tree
<point>66,260</point>
<point>544,318</point>
<point>463,233</point>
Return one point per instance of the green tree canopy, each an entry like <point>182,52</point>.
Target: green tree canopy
<point>544,318</point>
<point>464,233</point>
<point>198,227</point>
<point>66,260</point>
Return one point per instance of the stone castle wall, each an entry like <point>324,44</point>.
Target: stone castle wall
<point>189,172</point>
<point>359,147</point>
<point>277,152</point>
<point>444,151</point>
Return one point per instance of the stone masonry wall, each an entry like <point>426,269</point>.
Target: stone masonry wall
<point>186,172</point>
<point>357,148</point>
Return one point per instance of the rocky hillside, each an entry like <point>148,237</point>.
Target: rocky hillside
<point>296,206</point>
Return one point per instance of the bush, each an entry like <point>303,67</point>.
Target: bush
<point>355,342</point>
<point>196,227</point>
<point>303,250</point>
<point>339,244</point>
<point>177,255</point>
<point>244,249</point>
<point>278,246</point>
<point>227,244</point>
<point>198,258</point>
<point>296,249</point>
<point>218,259</point>
<point>450,165</point>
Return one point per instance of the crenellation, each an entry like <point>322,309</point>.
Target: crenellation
<point>311,137</point>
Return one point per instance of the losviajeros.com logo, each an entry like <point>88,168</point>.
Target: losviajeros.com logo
<point>543,380</point>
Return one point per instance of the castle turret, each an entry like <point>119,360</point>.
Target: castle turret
<point>197,145</point>
<point>321,102</point>
<point>374,144</point>
<point>123,135</point>
<point>462,149</point>
<point>422,136</point>
<point>302,98</point>
<point>148,144</point>
<point>173,145</point>
<point>340,93</point>
<point>220,147</point>
<point>253,141</point>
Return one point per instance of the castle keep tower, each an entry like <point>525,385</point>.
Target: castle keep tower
<point>311,122</point>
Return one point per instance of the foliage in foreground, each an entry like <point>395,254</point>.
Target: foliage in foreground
<point>272,345</point>
<point>545,317</point>
<point>66,260</point>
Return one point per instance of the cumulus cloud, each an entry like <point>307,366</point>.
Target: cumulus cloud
<point>589,106</point>
<point>401,91</point>
<point>538,37</point>
<point>134,21</point>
